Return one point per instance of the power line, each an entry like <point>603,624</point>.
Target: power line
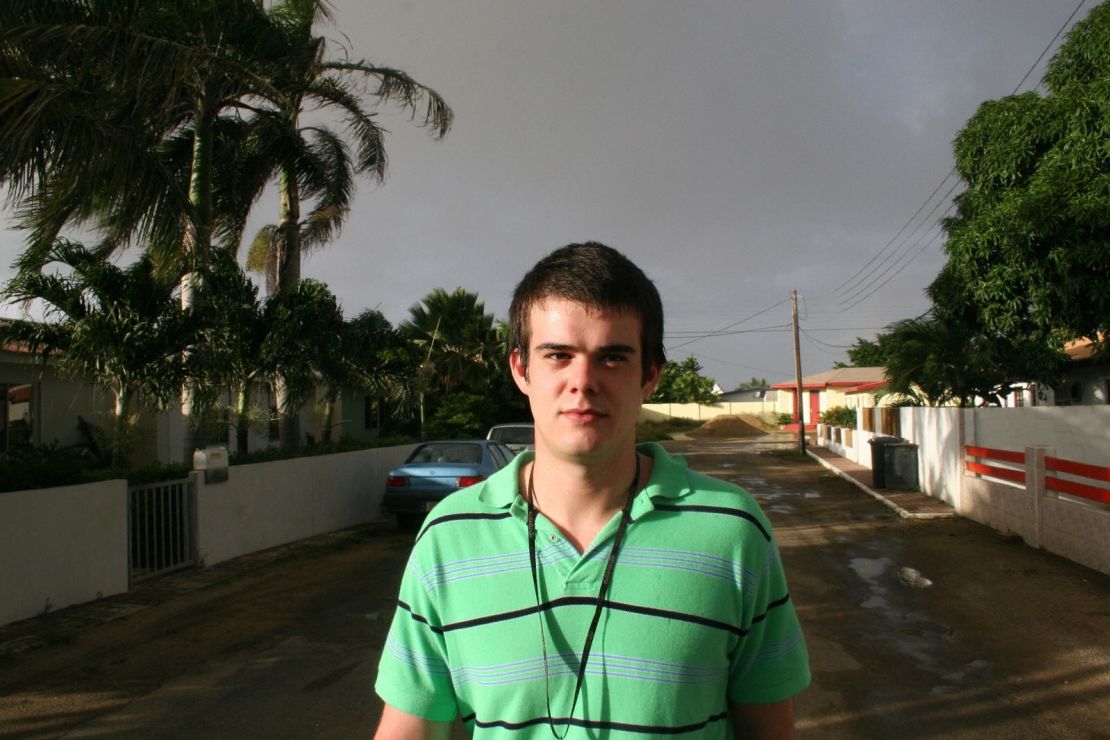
<point>879,254</point>
<point>718,332</point>
<point>906,264</point>
<point>864,285</point>
<point>704,335</point>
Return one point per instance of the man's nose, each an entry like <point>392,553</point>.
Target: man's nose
<point>584,375</point>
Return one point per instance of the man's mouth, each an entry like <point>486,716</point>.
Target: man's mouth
<point>583,415</point>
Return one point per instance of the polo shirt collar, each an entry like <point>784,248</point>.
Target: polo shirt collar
<point>668,481</point>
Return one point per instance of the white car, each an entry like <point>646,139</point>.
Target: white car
<point>517,437</point>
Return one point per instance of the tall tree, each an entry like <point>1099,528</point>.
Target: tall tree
<point>313,161</point>
<point>1031,236</point>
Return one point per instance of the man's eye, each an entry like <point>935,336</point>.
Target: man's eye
<point>557,356</point>
<point>614,359</point>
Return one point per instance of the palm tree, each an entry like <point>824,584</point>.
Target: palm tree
<point>373,359</point>
<point>456,336</point>
<point>122,328</point>
<point>112,113</point>
<point>313,161</point>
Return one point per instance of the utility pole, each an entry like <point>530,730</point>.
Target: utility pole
<point>798,375</point>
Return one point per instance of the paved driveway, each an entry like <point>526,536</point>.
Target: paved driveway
<point>939,629</point>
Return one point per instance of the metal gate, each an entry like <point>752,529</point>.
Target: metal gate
<point>161,528</point>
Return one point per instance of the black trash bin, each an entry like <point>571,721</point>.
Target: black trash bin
<point>900,466</point>
<point>878,458</point>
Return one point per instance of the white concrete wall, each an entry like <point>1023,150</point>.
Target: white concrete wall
<point>1079,433</point>
<point>703,412</point>
<point>61,546</point>
<point>1074,528</point>
<point>270,504</point>
<point>936,432</point>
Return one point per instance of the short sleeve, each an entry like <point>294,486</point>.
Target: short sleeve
<point>770,663</point>
<point>413,673</point>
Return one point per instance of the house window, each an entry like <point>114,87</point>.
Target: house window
<point>16,419</point>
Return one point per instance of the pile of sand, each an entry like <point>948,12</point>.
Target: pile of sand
<point>729,426</point>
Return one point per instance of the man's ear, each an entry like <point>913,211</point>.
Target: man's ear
<point>651,380</point>
<point>519,370</point>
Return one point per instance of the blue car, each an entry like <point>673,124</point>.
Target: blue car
<point>436,469</point>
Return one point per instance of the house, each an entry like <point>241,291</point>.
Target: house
<point>1086,381</point>
<point>846,386</point>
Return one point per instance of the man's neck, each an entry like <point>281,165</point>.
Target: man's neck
<point>580,498</point>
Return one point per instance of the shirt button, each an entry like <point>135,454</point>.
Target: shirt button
<point>554,537</point>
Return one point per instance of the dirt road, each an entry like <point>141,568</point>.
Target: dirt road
<point>939,629</point>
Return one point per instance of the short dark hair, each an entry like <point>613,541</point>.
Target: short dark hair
<point>596,276</point>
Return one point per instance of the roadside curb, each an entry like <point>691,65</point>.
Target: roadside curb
<point>878,496</point>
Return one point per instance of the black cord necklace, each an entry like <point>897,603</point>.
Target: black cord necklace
<point>622,525</point>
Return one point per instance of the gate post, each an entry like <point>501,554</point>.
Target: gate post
<point>1034,484</point>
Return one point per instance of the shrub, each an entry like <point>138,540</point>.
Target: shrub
<point>42,466</point>
<point>462,415</point>
<point>839,416</point>
<point>782,418</point>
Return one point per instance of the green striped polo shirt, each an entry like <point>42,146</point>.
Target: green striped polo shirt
<point>698,615</point>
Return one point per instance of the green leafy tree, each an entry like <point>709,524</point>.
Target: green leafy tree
<point>461,415</point>
<point>375,359</point>
<point>305,340</point>
<point>682,382</point>
<point>1029,238</point>
<point>120,327</point>
<point>233,351</point>
<point>864,353</point>
<point>950,356</point>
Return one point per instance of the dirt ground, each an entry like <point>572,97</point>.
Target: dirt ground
<point>938,629</point>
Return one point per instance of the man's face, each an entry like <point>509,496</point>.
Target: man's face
<point>584,380</point>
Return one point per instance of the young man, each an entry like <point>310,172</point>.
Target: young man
<point>593,588</point>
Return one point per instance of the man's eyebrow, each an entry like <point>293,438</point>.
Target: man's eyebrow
<point>626,349</point>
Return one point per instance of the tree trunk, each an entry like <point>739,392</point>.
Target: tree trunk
<point>195,247</point>
<point>288,276</point>
<point>242,419</point>
<point>329,412</point>
<point>118,442</point>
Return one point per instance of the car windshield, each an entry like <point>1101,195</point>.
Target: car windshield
<point>514,435</point>
<point>447,452</point>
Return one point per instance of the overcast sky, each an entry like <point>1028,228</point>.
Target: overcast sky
<point>734,149</point>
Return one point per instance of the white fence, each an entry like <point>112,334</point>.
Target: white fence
<point>703,412</point>
<point>1072,526</point>
<point>63,546</point>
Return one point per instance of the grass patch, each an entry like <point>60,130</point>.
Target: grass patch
<point>655,431</point>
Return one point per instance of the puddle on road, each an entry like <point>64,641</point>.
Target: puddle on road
<point>910,632</point>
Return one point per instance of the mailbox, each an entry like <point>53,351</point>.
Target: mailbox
<point>213,461</point>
